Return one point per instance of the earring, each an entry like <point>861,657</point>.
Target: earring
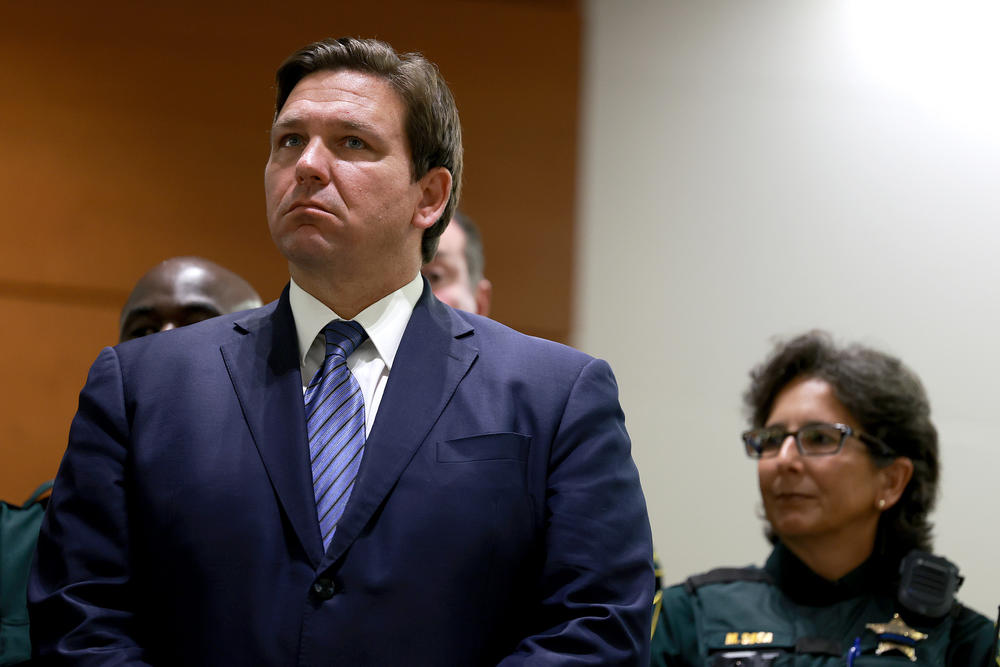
<point>881,503</point>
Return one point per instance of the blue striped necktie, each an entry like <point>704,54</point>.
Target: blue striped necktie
<point>335,421</point>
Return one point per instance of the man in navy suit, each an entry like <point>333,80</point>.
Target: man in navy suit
<point>495,516</point>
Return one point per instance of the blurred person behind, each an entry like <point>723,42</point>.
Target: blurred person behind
<point>174,293</point>
<point>847,461</point>
<point>456,272</point>
<point>181,291</point>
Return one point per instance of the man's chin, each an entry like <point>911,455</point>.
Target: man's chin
<point>307,254</point>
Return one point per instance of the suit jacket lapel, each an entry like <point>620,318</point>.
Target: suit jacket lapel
<point>434,355</point>
<point>264,367</point>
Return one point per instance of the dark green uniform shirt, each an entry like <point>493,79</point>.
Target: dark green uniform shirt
<point>802,619</point>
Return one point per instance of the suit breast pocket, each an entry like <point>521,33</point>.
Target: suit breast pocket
<point>486,447</point>
<point>480,481</point>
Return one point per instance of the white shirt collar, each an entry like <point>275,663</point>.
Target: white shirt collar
<point>385,320</point>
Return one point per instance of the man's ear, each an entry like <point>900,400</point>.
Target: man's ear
<point>435,189</point>
<point>895,477</point>
<point>483,295</point>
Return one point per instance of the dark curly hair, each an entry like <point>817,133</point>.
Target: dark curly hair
<point>889,402</point>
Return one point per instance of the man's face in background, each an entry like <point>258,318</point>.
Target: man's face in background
<point>448,274</point>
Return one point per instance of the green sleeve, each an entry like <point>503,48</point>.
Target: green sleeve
<point>971,641</point>
<point>675,638</point>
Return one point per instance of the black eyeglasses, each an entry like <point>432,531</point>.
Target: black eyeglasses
<point>810,440</point>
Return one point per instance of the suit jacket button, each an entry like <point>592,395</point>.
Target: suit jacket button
<point>323,589</point>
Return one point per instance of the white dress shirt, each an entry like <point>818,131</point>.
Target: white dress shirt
<point>384,321</point>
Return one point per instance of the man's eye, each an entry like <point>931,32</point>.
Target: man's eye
<point>139,332</point>
<point>354,142</point>
<point>433,276</point>
<point>290,141</point>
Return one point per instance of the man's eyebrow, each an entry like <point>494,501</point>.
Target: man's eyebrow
<point>138,311</point>
<point>200,306</point>
<point>292,120</point>
<point>189,307</point>
<point>285,122</point>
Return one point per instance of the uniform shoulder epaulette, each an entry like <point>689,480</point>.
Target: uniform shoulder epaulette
<point>727,575</point>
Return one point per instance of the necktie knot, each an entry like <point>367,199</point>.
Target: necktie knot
<point>343,337</point>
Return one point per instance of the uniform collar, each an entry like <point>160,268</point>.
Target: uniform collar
<point>804,586</point>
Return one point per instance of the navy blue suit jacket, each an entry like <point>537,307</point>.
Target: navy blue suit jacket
<point>497,517</point>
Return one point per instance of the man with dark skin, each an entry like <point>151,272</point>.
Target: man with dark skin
<point>456,272</point>
<point>181,291</point>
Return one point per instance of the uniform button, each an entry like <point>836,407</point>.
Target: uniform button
<point>323,589</point>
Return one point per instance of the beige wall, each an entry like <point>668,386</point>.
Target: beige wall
<point>774,166</point>
<point>132,132</point>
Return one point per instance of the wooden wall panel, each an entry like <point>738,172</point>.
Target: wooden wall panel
<point>131,133</point>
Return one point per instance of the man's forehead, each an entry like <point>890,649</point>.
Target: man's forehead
<point>188,283</point>
<point>351,91</point>
<point>195,278</point>
<point>452,241</point>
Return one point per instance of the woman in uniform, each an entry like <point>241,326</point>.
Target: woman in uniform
<point>847,460</point>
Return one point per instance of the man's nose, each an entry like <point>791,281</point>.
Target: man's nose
<point>313,163</point>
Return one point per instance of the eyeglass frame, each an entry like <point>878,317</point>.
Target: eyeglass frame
<point>877,447</point>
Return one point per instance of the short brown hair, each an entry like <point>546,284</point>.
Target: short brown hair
<point>432,126</point>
